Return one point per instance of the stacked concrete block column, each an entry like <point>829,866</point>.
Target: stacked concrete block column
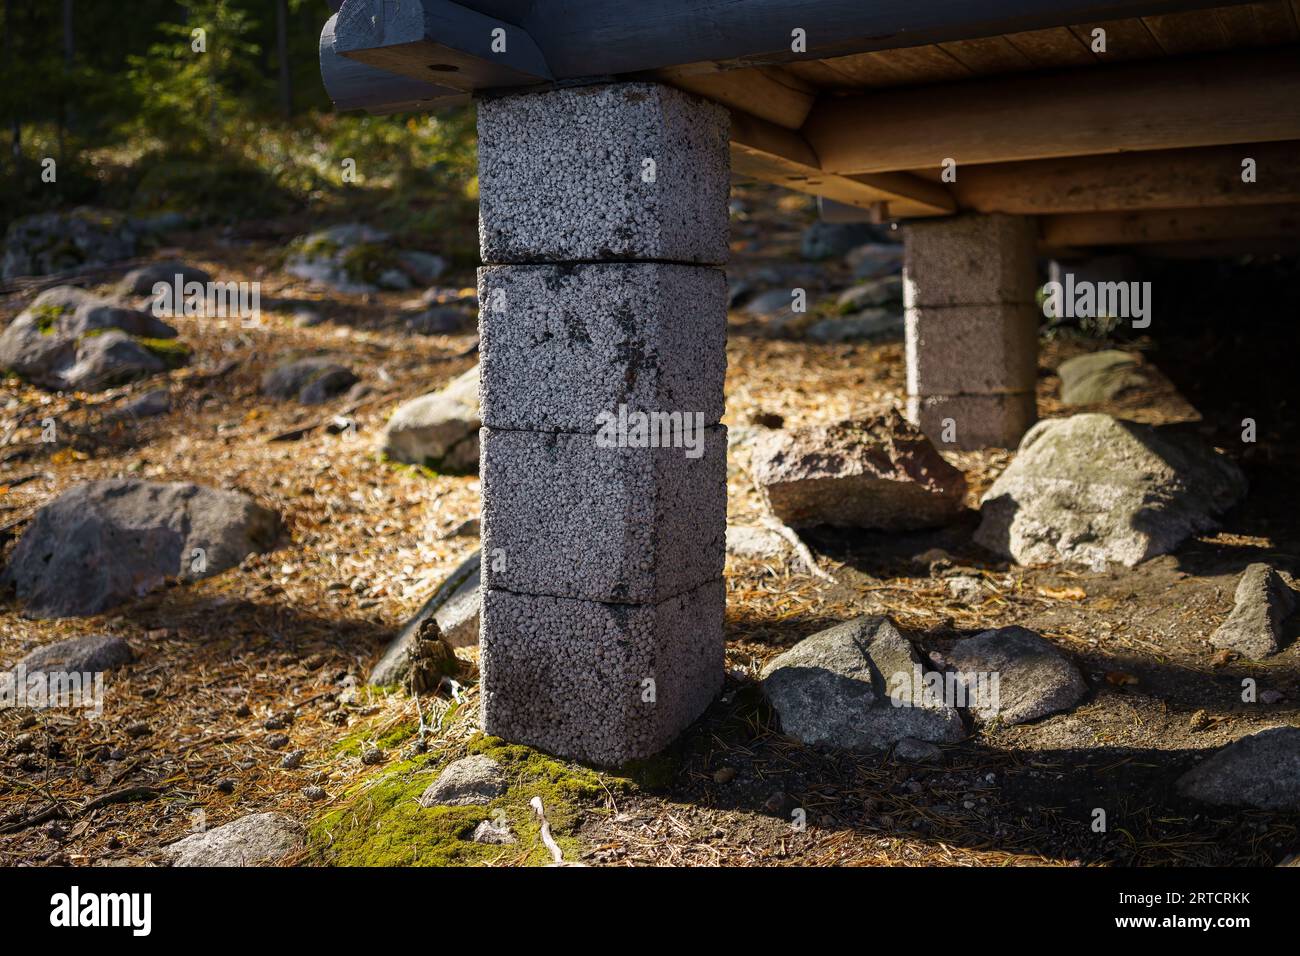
<point>602,304</point>
<point>972,328</point>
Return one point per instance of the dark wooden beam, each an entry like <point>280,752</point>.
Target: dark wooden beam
<point>1170,226</point>
<point>353,85</point>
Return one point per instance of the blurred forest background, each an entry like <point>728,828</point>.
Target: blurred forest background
<point>138,121</point>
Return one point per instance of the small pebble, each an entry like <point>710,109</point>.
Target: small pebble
<point>243,710</point>
<point>372,756</point>
<point>313,792</point>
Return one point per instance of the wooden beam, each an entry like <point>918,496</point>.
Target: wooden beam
<point>777,155</point>
<point>1166,104</point>
<point>1163,179</point>
<point>765,92</point>
<point>1170,225</point>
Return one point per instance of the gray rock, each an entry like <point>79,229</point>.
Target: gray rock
<point>867,324</point>
<point>488,832</point>
<point>1263,602</point>
<point>440,320</point>
<point>917,751</point>
<point>875,259</point>
<point>1012,675</point>
<point>872,293</point>
<point>746,541</point>
<point>1091,489</point>
<point>331,257</point>
<point>421,267</point>
<point>52,242</point>
<point>259,839</point>
<point>473,780</point>
<point>92,653</point>
<point>109,359</point>
<point>872,473</point>
<point>142,280</point>
<point>827,240</point>
<point>455,605</point>
<point>439,430</point>
<point>70,339</point>
<point>1100,376</point>
<point>852,686</point>
<point>965,588</point>
<point>309,381</point>
<point>774,303</point>
<point>152,403</point>
<point>104,542</point>
<point>1260,771</point>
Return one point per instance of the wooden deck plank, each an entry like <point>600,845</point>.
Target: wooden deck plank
<point>1053,48</point>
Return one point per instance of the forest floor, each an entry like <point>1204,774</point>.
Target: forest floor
<point>293,633</point>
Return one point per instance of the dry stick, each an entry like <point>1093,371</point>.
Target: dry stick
<point>800,549</point>
<point>556,853</point>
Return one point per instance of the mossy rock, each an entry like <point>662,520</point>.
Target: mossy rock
<point>173,352</point>
<point>381,823</point>
<point>368,261</point>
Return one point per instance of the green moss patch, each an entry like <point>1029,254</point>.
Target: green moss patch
<point>381,823</point>
<point>173,352</point>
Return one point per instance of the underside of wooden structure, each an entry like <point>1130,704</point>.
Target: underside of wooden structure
<point>1118,123</point>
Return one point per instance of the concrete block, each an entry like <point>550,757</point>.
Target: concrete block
<point>565,516</point>
<point>969,260</point>
<point>594,173</point>
<point>978,421</point>
<point>570,676</point>
<point>562,344</point>
<point>972,349</point>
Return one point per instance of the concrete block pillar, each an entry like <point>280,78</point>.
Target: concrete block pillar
<point>603,227</point>
<point>972,328</point>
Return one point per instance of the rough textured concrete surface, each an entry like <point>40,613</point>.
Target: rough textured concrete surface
<point>570,518</point>
<point>103,542</point>
<point>1033,678</point>
<point>838,688</point>
<point>1260,771</point>
<point>1091,489</point>
<point>969,260</point>
<point>563,344</point>
<point>973,349</point>
<point>870,473</point>
<point>91,653</point>
<point>259,839</point>
<point>977,421</point>
<point>596,173</point>
<point>1263,601</point>
<point>605,683</point>
<point>475,780</point>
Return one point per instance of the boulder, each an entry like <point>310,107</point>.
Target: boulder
<point>93,653</point>
<point>828,240</point>
<point>259,839</point>
<point>52,242</point>
<point>357,259</point>
<point>875,259</point>
<point>70,339</point>
<point>454,606</point>
<point>141,281</point>
<point>440,320</point>
<point>1260,771</point>
<point>854,686</point>
<point>872,473</point>
<point>309,381</point>
<point>1012,675</point>
<point>867,324</point>
<point>104,542</point>
<point>1101,376</point>
<point>438,430</point>
<point>872,293</point>
<point>470,781</point>
<point>1263,601</point>
<point>1091,489</point>
<point>755,542</point>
